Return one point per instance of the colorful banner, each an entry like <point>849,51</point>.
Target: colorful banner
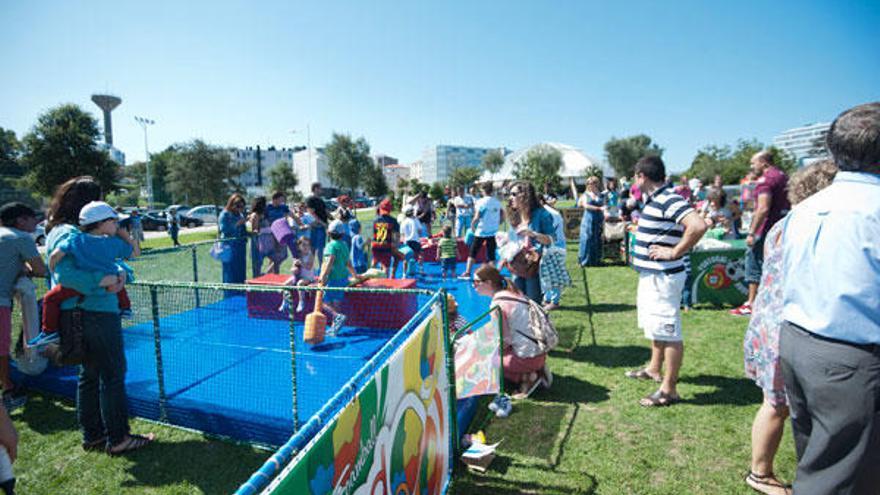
<point>478,361</point>
<point>394,438</point>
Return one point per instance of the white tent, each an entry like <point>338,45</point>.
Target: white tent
<point>574,164</point>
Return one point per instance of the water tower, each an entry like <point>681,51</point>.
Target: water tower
<point>107,103</point>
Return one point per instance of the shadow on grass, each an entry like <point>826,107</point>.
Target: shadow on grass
<point>571,390</point>
<point>473,484</point>
<point>46,416</point>
<point>728,391</point>
<point>608,356</point>
<point>213,473</point>
<point>602,308</point>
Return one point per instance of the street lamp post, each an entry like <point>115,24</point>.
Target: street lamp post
<point>144,123</point>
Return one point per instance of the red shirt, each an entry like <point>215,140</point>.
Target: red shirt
<point>775,183</point>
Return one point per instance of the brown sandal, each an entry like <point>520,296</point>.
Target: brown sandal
<point>642,374</point>
<point>659,399</point>
<point>98,444</point>
<point>130,443</point>
<point>768,484</point>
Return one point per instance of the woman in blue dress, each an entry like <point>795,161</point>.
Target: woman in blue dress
<point>232,226</point>
<point>592,223</point>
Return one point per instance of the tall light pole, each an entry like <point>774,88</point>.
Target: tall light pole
<point>144,123</point>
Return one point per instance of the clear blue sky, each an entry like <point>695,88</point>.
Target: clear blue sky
<point>406,75</point>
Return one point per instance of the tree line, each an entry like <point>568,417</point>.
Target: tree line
<point>64,143</point>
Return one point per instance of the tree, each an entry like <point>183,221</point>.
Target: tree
<point>201,173</point>
<point>732,162</point>
<point>493,161</point>
<point>594,171</point>
<point>10,154</point>
<point>283,178</point>
<point>464,176</point>
<point>63,144</point>
<point>348,160</point>
<point>160,164</point>
<point>375,183</point>
<point>436,191</point>
<point>622,154</point>
<point>541,167</point>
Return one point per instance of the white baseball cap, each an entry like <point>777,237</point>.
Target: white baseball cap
<point>337,227</point>
<point>96,211</point>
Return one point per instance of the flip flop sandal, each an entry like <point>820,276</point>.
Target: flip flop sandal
<point>99,444</point>
<point>642,374</point>
<point>131,443</point>
<point>527,388</point>
<point>757,483</point>
<point>659,399</point>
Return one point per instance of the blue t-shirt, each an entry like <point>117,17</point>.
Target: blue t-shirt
<point>275,212</point>
<point>97,253</point>
<point>542,223</point>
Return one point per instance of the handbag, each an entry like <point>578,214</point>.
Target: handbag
<point>221,251</point>
<point>71,347</point>
<point>525,263</point>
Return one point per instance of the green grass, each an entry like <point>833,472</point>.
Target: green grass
<point>586,435</point>
<point>184,238</point>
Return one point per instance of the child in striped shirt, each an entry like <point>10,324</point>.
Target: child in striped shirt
<point>447,248</point>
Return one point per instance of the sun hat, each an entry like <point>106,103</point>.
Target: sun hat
<point>96,211</point>
<point>336,227</point>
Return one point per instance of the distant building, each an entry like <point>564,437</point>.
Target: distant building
<point>806,143</point>
<point>311,166</point>
<point>415,170</point>
<point>439,161</point>
<point>259,162</point>
<point>394,174</point>
<point>384,160</point>
<point>115,154</point>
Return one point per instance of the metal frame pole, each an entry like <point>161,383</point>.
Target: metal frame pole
<point>157,341</point>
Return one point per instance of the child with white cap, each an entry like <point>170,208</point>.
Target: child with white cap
<point>99,247</point>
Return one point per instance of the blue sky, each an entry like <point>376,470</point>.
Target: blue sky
<point>406,75</point>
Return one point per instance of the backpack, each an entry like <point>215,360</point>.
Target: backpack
<point>542,337</point>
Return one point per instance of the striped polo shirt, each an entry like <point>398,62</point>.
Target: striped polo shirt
<point>660,224</point>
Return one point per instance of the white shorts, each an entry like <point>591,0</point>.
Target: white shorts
<point>658,302</point>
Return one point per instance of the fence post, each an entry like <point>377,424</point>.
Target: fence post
<point>195,259</point>
<point>291,310</point>
<point>450,372</point>
<point>157,341</point>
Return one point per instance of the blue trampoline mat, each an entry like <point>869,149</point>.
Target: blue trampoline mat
<point>228,374</point>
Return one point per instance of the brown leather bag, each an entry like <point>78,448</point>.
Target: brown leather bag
<point>526,263</point>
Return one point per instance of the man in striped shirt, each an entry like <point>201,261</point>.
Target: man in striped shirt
<point>668,229</point>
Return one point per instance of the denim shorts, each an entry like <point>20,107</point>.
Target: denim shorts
<point>448,264</point>
<point>755,261</point>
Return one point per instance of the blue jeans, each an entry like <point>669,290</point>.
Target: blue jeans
<point>101,403</point>
<point>531,287</point>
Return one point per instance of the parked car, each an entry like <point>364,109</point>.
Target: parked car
<point>189,221</point>
<point>206,213</point>
<point>181,209</point>
<point>39,233</point>
<point>154,220</point>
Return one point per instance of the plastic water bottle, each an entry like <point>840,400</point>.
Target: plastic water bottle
<point>7,478</point>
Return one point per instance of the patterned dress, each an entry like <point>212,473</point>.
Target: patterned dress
<point>761,344</point>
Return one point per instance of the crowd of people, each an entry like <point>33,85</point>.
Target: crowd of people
<point>812,265</point>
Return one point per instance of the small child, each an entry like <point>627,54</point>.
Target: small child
<point>334,273</point>
<point>410,234</point>
<point>447,248</point>
<point>358,255</point>
<point>302,272</point>
<point>456,321</point>
<point>99,246</point>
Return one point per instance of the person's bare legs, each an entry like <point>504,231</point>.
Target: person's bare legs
<point>673,353</point>
<point>655,367</point>
<point>753,292</point>
<point>467,267</point>
<point>767,430</point>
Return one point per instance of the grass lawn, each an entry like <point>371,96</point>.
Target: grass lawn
<point>586,435</point>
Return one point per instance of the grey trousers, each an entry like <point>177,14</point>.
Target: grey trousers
<point>834,396</point>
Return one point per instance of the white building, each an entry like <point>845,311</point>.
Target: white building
<point>259,162</point>
<point>806,143</point>
<point>311,166</point>
<point>574,164</point>
<point>415,170</point>
<point>394,174</point>
<point>439,161</point>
